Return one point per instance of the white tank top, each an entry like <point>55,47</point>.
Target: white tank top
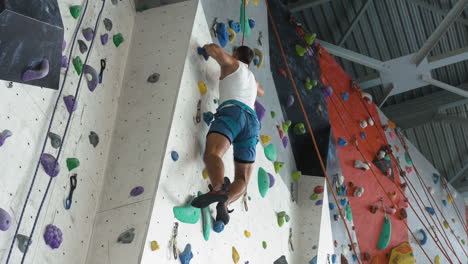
<point>239,85</point>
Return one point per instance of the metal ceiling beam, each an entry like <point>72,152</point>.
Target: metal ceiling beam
<point>354,56</point>
<point>437,10</point>
<point>452,15</point>
<point>459,174</point>
<point>355,21</point>
<point>369,81</point>
<point>445,86</point>
<point>452,120</point>
<point>304,4</point>
<point>390,88</point>
<point>448,58</point>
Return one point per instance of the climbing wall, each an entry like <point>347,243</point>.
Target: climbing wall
<point>26,111</point>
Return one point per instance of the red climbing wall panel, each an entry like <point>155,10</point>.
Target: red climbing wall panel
<point>344,120</point>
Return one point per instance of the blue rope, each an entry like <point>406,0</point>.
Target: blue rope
<point>65,132</point>
<point>48,130</point>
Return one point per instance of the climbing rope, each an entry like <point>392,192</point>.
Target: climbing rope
<point>322,164</point>
<point>46,137</point>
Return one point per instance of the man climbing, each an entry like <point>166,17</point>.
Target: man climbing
<point>236,123</point>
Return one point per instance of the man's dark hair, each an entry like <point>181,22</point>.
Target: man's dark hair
<point>245,54</point>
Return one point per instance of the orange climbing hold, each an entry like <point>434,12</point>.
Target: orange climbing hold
<point>391,125</point>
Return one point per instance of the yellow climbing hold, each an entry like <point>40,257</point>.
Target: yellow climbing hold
<point>154,245</point>
<point>402,254</point>
<point>437,259</point>
<point>246,2</point>
<point>205,174</point>
<point>255,2</point>
<point>449,198</point>
<point>202,87</point>
<point>259,53</point>
<point>235,255</point>
<point>446,224</point>
<point>247,234</point>
<point>265,139</point>
<point>232,35</point>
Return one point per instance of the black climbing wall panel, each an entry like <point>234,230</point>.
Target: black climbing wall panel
<point>30,31</point>
<point>316,107</point>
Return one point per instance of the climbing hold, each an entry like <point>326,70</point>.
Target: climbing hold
<point>70,103</point>
<point>88,33</point>
<point>361,165</point>
<point>285,141</point>
<point>314,197</point>
<point>446,224</point>
<point>251,23</point>
<point>327,91</point>
<point>430,210</point>
<point>280,217</point>
<point>154,245</point>
<point>263,182</point>
<point>174,155</point>
<point>283,72</point>
<point>202,88</point>
<point>437,259</point>
<point>37,71</point>
<point>264,244</point>
<point>72,163</point>
<point>272,180</point>
<point>232,35</point>
<point>127,236</point>
<point>91,77</point>
<point>208,117</point>
<point>223,34</point>
<point>258,53</point>
<point>370,121</point>
<point>313,260</point>
<point>202,52</point>
<point>299,129</point>
<point>444,202</point>
<point>247,233</point>
<point>78,64</point>
<point>82,46</point>
<point>153,78</point>
<point>64,62</point>
<point>349,215</point>
<point>4,135</point>
<point>431,190</point>
<point>403,254</point>
<point>404,203</point>
<point>363,123</point>
<point>280,132</point>
<point>392,135</point>
<point>187,214</point>
<point>278,166</point>
<point>342,142</point>
<point>310,38</point>
<point>318,189</point>
<point>450,198</point>
<point>409,170</point>
<point>270,152</point>
<point>345,96</point>
<point>273,114</point>
<point>362,135</point>
<point>256,61</point>
<point>408,159</point>
<point>385,234</point>
<point>218,226</point>
<point>137,191</point>
<point>358,192</point>
<point>235,255</point>
<point>260,110</point>
<point>5,220</point>
<point>295,175</point>
<point>75,11</point>
<point>234,25</point>
<point>290,101</point>
<point>186,255</point>
<point>319,202</point>
<point>436,178</point>
<point>23,242</point>
<point>53,236</point>
<point>205,174</point>
<point>108,24</point>
<point>265,139</point>
<point>286,126</point>
<point>104,39</point>
<point>391,125</point>
<point>93,139</point>
<point>301,51</point>
<point>367,97</point>
<point>390,210</point>
<point>114,2</point>
<point>281,260</point>
<point>331,206</point>
<point>50,165</point>
<point>463,241</point>
<point>118,39</point>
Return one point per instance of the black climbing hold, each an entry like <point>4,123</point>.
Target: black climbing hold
<point>93,138</point>
<point>281,260</point>
<point>23,242</point>
<point>83,46</point>
<point>127,236</point>
<point>174,155</point>
<point>103,67</point>
<point>108,24</point>
<point>114,2</point>
<point>55,140</point>
<point>153,78</point>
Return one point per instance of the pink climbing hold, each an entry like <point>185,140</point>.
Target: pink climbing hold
<point>318,189</point>
<point>392,135</point>
<point>409,170</point>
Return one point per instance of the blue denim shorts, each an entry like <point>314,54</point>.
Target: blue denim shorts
<point>241,127</point>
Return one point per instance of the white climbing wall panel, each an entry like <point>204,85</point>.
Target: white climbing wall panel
<point>26,111</point>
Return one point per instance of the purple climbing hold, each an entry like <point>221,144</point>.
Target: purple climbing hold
<point>38,71</point>
<point>272,179</point>
<point>342,142</point>
<point>137,191</point>
<point>64,62</point>
<point>319,202</point>
<point>285,141</point>
<point>175,156</point>
<point>88,33</point>
<point>50,165</point>
<point>70,103</point>
<point>104,39</point>
<point>53,236</point>
<point>362,135</point>
<point>260,110</point>
<point>91,77</point>
<point>314,247</point>
<point>290,101</point>
<point>5,220</point>
<point>4,135</point>
<point>327,91</point>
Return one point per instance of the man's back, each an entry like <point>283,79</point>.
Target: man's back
<point>239,85</point>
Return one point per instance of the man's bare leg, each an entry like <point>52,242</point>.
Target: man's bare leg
<point>243,172</point>
<point>216,146</point>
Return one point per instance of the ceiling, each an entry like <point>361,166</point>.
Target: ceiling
<point>434,120</point>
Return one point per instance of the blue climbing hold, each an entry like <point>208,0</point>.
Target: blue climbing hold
<point>256,61</point>
<point>218,226</point>
<point>423,240</point>
<point>186,255</point>
<point>235,26</point>
<point>430,210</point>
<point>251,23</point>
<point>345,96</point>
<point>313,260</point>
<point>342,142</point>
<point>208,117</point>
<point>436,178</point>
<point>362,135</point>
<point>223,34</point>
<point>444,202</point>
<point>331,206</point>
<point>343,202</point>
<point>334,258</point>
<point>202,52</point>
<point>174,155</point>
<point>354,258</point>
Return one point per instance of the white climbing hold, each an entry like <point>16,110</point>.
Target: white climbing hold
<point>363,123</point>
<point>340,180</point>
<point>370,121</point>
<point>367,97</point>
<point>431,190</point>
<point>381,154</point>
<point>361,165</point>
<point>358,192</point>
<point>345,249</point>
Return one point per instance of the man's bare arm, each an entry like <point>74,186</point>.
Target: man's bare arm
<point>260,90</point>
<point>218,54</point>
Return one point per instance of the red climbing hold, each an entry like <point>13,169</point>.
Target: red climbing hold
<point>280,132</point>
<point>335,243</point>
<point>283,72</point>
<point>318,189</point>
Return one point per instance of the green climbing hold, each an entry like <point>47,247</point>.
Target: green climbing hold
<point>78,64</point>
<point>250,198</point>
<point>309,38</point>
<point>207,221</point>
<point>270,152</point>
<point>72,163</point>
<point>273,114</point>
<point>187,214</point>
<point>280,217</point>
<point>310,84</point>
<point>349,215</point>
<point>408,159</point>
<point>215,101</point>
<point>300,50</point>
<point>118,39</point>
<point>286,126</point>
<point>278,166</point>
<point>299,129</point>
<point>295,175</point>
<point>142,8</point>
<point>314,197</point>
<point>263,182</point>
<point>75,11</point>
<point>264,244</point>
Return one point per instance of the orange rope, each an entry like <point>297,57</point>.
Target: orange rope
<point>311,130</point>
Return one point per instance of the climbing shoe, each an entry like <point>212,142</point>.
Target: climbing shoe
<point>213,196</point>
<point>222,213</point>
